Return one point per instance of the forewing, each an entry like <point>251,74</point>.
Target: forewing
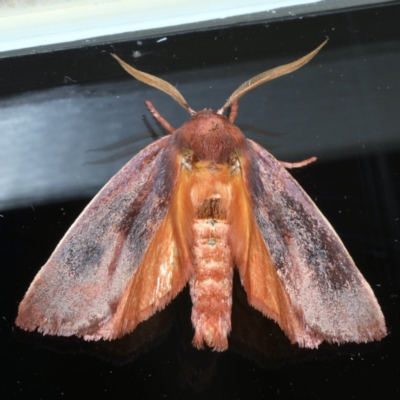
<point>82,285</point>
<point>324,295</point>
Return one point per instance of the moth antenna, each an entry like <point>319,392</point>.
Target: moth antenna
<point>157,116</point>
<point>268,76</point>
<point>233,112</point>
<point>158,83</point>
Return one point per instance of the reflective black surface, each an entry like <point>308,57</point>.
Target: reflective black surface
<point>71,119</point>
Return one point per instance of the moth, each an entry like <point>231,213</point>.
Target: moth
<point>188,209</point>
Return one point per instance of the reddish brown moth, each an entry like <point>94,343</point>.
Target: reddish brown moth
<point>189,208</point>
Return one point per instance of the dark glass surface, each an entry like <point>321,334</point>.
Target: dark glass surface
<point>343,107</point>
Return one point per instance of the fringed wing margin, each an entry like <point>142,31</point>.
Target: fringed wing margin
<point>110,250</point>
<point>319,293</point>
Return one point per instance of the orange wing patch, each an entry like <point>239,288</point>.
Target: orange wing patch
<point>161,275</point>
<point>259,277</point>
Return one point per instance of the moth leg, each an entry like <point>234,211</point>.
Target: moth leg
<point>159,118</point>
<point>298,164</point>
<point>233,112</point>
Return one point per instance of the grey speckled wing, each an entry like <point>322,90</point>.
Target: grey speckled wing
<point>328,297</point>
<point>81,285</point>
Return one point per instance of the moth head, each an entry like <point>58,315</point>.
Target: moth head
<point>236,95</point>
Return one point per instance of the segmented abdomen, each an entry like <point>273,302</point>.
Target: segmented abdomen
<point>211,283</point>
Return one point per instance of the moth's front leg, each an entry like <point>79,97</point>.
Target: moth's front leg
<point>298,164</point>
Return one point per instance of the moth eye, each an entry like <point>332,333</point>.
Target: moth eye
<point>189,159</point>
<point>187,163</point>
<point>234,163</point>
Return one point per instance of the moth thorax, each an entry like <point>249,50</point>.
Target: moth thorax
<point>211,281</point>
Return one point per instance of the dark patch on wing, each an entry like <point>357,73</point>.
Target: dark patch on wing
<point>75,256</point>
<point>330,298</point>
<point>83,280</point>
<point>289,222</point>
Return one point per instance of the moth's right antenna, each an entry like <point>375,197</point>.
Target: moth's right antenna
<point>268,76</point>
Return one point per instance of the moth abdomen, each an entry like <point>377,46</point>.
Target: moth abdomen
<point>211,284</point>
